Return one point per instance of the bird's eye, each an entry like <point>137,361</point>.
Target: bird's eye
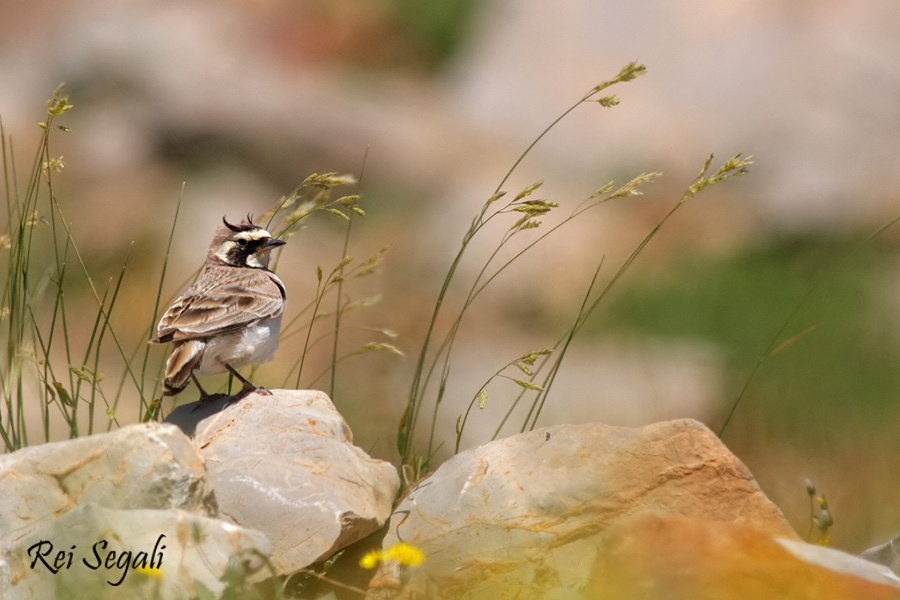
<point>242,242</point>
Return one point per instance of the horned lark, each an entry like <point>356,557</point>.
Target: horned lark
<point>231,316</point>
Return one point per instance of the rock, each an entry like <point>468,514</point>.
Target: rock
<point>839,561</point>
<point>887,554</point>
<point>528,512</point>
<point>143,488</point>
<point>174,555</point>
<point>652,557</point>
<point>285,464</point>
<point>139,466</point>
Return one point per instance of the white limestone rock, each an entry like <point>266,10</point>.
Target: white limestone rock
<point>102,553</point>
<point>285,464</point>
<point>139,466</point>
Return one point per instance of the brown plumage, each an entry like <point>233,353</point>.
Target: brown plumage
<point>231,316</point>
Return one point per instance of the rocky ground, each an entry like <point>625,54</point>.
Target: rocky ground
<point>228,106</point>
<point>272,486</point>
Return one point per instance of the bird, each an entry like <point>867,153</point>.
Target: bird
<point>231,316</point>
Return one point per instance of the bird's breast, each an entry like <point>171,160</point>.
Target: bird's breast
<point>254,344</point>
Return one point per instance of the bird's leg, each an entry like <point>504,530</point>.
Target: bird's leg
<point>248,387</point>
<point>204,395</point>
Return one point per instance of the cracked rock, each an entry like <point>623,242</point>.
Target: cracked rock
<point>120,514</point>
<point>139,466</point>
<point>523,517</point>
<point>285,464</point>
<point>102,553</point>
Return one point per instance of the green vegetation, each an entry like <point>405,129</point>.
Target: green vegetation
<point>41,366</point>
<point>38,322</point>
<point>436,27</point>
<point>832,349</point>
<point>50,364</point>
<point>799,321</point>
<point>435,357</point>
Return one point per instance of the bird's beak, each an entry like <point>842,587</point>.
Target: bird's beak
<point>272,243</point>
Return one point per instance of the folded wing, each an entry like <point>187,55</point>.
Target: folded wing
<point>199,313</point>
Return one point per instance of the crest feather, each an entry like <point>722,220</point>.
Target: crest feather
<point>245,225</point>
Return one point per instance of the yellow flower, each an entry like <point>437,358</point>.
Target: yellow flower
<point>405,554</point>
<point>150,571</point>
<point>371,559</point>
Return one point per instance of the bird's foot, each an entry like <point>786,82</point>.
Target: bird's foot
<point>207,399</point>
<point>248,388</point>
<point>251,390</point>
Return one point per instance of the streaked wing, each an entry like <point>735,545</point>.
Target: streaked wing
<point>210,306</point>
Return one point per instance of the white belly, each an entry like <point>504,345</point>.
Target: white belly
<point>250,346</point>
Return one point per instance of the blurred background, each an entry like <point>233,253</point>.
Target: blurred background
<point>769,288</point>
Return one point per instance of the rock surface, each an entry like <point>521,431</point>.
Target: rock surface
<point>139,466</point>
<point>285,464</point>
<point>654,557</point>
<point>143,488</point>
<point>663,512</point>
<point>887,554</point>
<point>183,555</point>
<point>523,516</point>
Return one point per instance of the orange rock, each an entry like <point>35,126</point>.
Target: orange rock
<point>652,556</point>
<point>522,517</point>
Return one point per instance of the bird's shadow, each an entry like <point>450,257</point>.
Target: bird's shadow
<point>187,416</point>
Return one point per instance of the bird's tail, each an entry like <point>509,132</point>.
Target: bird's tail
<point>184,360</point>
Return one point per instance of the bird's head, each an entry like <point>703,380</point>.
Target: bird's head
<point>243,245</point>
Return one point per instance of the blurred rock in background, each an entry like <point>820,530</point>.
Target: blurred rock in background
<point>230,105</point>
